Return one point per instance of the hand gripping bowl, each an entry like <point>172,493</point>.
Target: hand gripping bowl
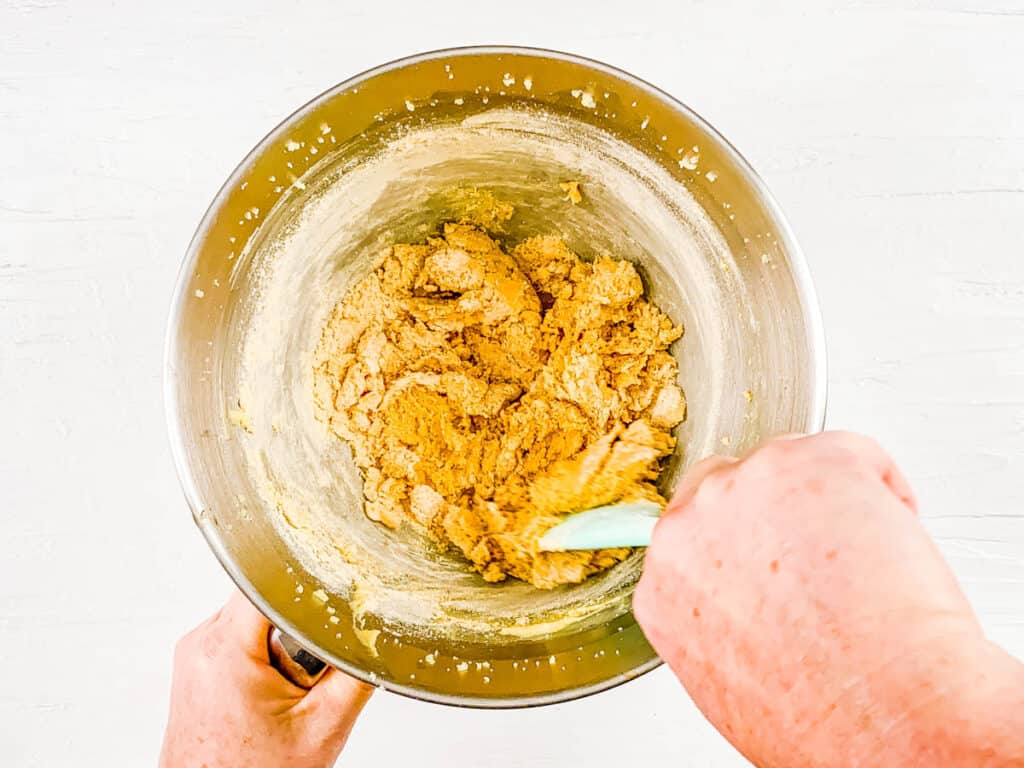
<point>374,161</point>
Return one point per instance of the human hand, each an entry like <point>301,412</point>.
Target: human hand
<point>231,709</point>
<point>799,600</point>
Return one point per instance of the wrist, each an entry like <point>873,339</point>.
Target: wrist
<point>968,710</point>
<point>989,711</point>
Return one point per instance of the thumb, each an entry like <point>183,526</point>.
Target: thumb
<point>245,625</point>
<point>334,703</point>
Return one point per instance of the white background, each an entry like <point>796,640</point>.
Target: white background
<point>892,134</point>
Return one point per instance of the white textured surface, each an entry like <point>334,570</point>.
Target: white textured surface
<point>892,134</point>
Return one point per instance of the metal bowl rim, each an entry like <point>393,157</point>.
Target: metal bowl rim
<point>801,276</point>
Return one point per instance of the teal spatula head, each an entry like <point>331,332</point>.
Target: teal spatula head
<point>617,525</point>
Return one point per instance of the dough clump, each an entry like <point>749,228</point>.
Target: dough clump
<point>487,394</point>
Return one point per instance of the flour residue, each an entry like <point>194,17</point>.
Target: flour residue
<point>313,246</point>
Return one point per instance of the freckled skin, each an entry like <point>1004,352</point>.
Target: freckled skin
<point>799,600</point>
<point>794,594</point>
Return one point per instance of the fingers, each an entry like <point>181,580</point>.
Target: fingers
<point>245,626</point>
<point>870,451</point>
<point>891,474</point>
<point>696,475</point>
<point>787,436</point>
<point>845,448</point>
<point>334,703</point>
<point>703,469</point>
<point>848,443</point>
<point>339,692</point>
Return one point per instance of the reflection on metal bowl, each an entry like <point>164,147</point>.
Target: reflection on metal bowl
<point>369,163</point>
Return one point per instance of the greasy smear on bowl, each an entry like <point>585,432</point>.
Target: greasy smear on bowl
<point>315,246</point>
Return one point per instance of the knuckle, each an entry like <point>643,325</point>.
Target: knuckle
<point>186,643</point>
<point>642,608</point>
<point>669,546</point>
<point>774,465</point>
<point>848,450</point>
<point>649,599</point>
<point>181,649</point>
<point>185,652</point>
<point>777,453</point>
<point>707,465</point>
<point>852,445</point>
<point>210,644</point>
<point>713,487</point>
<point>664,536</point>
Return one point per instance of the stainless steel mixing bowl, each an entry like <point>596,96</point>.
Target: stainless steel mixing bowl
<point>369,162</point>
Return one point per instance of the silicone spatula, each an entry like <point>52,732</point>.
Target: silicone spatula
<point>617,525</point>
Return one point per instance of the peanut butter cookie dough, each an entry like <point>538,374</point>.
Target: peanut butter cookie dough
<point>487,394</point>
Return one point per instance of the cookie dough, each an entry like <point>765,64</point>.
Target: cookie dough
<point>486,394</point>
<point>572,192</point>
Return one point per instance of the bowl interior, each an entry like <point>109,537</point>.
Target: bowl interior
<point>382,160</point>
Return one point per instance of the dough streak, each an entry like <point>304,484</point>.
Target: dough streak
<point>487,394</point>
